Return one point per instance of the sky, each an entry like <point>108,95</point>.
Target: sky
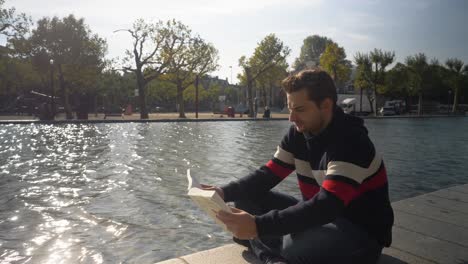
<point>437,28</point>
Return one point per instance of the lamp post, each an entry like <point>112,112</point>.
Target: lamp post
<point>196,96</point>
<point>231,73</point>
<point>52,101</point>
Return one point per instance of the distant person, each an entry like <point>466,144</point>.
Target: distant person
<point>266,113</point>
<point>344,215</point>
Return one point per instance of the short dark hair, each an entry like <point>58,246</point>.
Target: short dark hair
<point>318,83</point>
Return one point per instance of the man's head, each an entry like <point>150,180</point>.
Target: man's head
<point>311,99</point>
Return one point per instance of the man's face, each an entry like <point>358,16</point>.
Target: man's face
<point>306,115</point>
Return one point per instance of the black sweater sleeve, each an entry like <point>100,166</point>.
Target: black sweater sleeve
<point>323,208</point>
<point>257,183</point>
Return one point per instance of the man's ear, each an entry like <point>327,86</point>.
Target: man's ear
<point>326,104</point>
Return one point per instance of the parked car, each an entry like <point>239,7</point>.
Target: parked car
<point>399,106</point>
<point>387,111</point>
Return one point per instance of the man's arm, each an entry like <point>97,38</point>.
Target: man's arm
<point>266,177</point>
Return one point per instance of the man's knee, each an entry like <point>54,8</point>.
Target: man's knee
<point>297,250</point>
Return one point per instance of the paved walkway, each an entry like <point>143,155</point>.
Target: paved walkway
<point>431,228</point>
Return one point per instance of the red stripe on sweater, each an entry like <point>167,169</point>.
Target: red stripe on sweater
<point>278,170</point>
<point>347,193</point>
<point>344,191</point>
<point>376,182</point>
<point>308,190</point>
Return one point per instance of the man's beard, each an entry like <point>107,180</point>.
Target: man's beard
<point>320,126</point>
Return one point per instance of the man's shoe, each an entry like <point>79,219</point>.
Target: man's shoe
<point>265,254</point>
<point>275,260</point>
<point>242,242</point>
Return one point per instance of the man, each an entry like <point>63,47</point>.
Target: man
<point>345,215</point>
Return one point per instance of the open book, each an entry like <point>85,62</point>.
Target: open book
<point>206,199</point>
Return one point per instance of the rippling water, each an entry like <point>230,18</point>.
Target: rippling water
<point>109,193</point>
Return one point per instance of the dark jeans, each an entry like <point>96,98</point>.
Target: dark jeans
<point>337,242</point>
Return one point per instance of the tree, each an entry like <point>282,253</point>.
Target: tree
<point>189,94</point>
<point>114,88</point>
<point>17,77</point>
<point>373,69</point>
<point>77,54</point>
<point>153,48</point>
<point>363,79</point>
<point>311,50</point>
<point>457,71</point>
<point>195,59</point>
<point>162,92</point>
<point>397,84</point>
<point>418,68</point>
<point>333,61</point>
<point>212,95</point>
<point>270,51</point>
<point>13,25</point>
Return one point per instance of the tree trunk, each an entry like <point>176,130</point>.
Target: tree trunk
<point>270,96</point>
<point>264,95</point>
<point>420,110</point>
<point>180,99</point>
<point>408,104</point>
<point>196,96</point>
<point>335,81</point>
<point>249,91</point>
<point>142,95</point>
<point>360,101</point>
<point>95,105</point>
<point>375,100</point>
<point>64,90</point>
<point>455,101</point>
<point>371,101</point>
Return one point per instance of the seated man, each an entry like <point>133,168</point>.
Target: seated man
<point>345,215</point>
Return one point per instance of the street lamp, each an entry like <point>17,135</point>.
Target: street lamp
<point>52,103</point>
<point>231,73</point>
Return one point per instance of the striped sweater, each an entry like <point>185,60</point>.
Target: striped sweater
<point>339,175</point>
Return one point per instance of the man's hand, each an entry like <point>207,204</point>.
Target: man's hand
<point>217,189</point>
<point>240,223</point>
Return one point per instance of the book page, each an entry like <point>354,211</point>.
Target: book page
<point>192,181</point>
<point>208,200</point>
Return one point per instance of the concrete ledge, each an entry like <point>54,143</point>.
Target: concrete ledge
<point>228,254</point>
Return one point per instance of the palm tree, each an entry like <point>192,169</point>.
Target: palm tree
<point>372,67</point>
<point>418,67</point>
<point>456,68</point>
<point>380,60</point>
<point>363,79</point>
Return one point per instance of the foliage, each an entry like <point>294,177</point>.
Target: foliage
<point>12,24</point>
<point>334,62</point>
<point>312,48</point>
<point>270,52</point>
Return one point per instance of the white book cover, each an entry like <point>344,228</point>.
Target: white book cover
<point>208,200</point>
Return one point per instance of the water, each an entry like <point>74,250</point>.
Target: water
<point>110,193</point>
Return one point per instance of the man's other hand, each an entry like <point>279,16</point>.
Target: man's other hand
<point>217,189</point>
<point>240,223</point>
